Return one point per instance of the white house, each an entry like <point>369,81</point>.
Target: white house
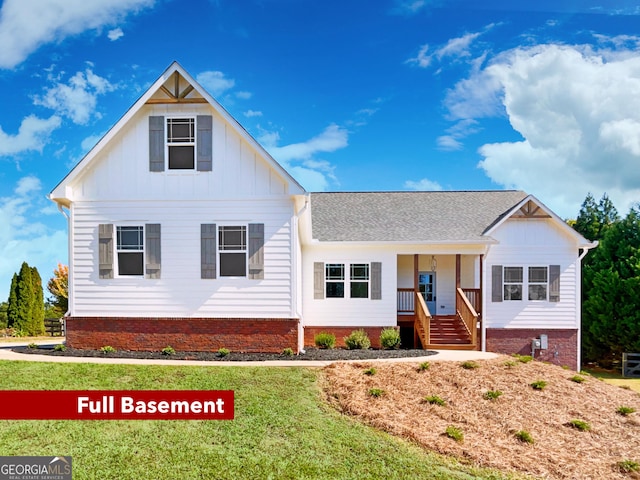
<point>184,231</point>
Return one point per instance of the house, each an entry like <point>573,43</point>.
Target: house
<point>184,231</point>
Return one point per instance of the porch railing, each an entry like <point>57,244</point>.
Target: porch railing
<point>406,302</point>
<point>475,298</point>
<point>468,314</point>
<point>422,323</point>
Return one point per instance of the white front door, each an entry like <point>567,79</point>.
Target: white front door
<point>427,287</point>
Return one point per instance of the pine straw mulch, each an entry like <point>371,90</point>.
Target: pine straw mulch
<point>558,452</point>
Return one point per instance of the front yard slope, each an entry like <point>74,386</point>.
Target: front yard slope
<point>531,417</point>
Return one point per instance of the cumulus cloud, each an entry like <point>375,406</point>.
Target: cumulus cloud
<point>300,158</point>
<point>215,82</point>
<point>24,237</point>
<point>32,135</point>
<point>22,31</point>
<point>115,34</point>
<point>577,111</point>
<point>422,185</point>
<point>76,99</point>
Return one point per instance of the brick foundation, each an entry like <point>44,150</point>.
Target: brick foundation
<point>340,333</point>
<point>183,334</point>
<point>511,340</point>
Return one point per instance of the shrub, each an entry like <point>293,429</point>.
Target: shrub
<point>539,385</point>
<point>624,411</point>
<point>223,352</point>
<point>470,365</point>
<point>423,366</point>
<point>32,346</point>
<point>510,364</point>
<point>287,352</point>
<point>59,348</point>
<point>434,400</point>
<point>390,338</point>
<point>628,466</point>
<point>168,350</point>
<point>522,358</point>
<point>370,371</point>
<point>492,394</point>
<point>376,392</point>
<point>325,340</point>
<point>578,379</point>
<point>107,349</point>
<point>524,436</point>
<point>358,340</point>
<point>579,425</point>
<point>455,433</point>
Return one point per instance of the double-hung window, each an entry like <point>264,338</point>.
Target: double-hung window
<point>181,141</point>
<point>232,241</point>
<point>130,250</point>
<point>538,279</point>
<point>513,281</point>
<point>334,280</point>
<point>339,280</point>
<point>359,280</point>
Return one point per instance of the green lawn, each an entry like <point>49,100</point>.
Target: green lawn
<point>615,378</point>
<point>282,430</point>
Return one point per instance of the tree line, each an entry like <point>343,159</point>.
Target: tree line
<point>610,281</point>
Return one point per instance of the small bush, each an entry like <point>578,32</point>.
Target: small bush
<point>579,425</point>
<point>287,352</point>
<point>376,392</point>
<point>168,350</point>
<point>624,411</point>
<point>524,436</point>
<point>510,364</point>
<point>370,371</point>
<point>522,358</point>
<point>470,365</point>
<point>539,385</point>
<point>434,400</point>
<point>358,340</point>
<point>223,352</point>
<point>107,349</point>
<point>325,340</point>
<point>59,348</point>
<point>492,394</point>
<point>628,466</point>
<point>390,338</point>
<point>578,379</point>
<point>32,346</point>
<point>424,366</point>
<point>455,433</point>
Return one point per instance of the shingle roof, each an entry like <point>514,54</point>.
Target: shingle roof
<point>422,217</point>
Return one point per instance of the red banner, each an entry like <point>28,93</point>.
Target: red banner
<point>116,405</point>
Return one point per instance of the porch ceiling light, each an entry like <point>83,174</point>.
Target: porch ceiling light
<point>434,263</point>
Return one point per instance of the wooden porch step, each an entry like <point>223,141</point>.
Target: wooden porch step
<point>456,346</point>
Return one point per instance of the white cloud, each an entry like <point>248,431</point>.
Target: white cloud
<point>115,34</point>
<point>33,134</point>
<point>76,100</point>
<point>215,82</point>
<point>454,49</point>
<point>409,7</point>
<point>422,59</point>
<point>252,113</point>
<point>300,158</point>
<point>422,185</point>
<point>25,25</point>
<point>244,95</point>
<point>578,113</point>
<point>24,237</point>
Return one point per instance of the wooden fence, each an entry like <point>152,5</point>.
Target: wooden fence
<point>631,365</point>
<point>54,327</point>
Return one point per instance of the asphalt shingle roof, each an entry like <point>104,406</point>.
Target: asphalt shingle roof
<point>422,217</point>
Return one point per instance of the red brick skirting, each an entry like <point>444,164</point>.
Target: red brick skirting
<point>340,333</point>
<point>563,344</point>
<point>183,334</point>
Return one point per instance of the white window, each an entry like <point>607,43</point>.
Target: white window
<point>232,250</point>
<point>130,250</point>
<point>359,280</point>
<point>334,280</point>
<point>181,142</point>
<point>513,281</point>
<point>538,279</point>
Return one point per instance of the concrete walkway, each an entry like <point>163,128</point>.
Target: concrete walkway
<point>7,354</point>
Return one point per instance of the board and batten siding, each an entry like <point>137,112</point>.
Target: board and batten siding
<point>349,312</point>
<point>122,169</point>
<point>180,291</point>
<point>533,243</point>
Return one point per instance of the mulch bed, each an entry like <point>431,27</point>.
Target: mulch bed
<point>310,354</point>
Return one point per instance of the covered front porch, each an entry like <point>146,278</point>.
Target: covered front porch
<point>439,300</point>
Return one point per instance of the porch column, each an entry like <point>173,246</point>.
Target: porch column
<point>457,271</point>
<point>416,267</point>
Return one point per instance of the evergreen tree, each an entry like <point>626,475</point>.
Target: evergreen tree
<point>36,323</point>
<point>12,303</point>
<point>3,314</point>
<point>24,303</point>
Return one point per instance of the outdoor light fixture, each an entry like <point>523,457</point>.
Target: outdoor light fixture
<point>434,263</point>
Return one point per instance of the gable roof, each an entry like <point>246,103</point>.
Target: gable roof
<point>420,217</point>
<point>193,93</point>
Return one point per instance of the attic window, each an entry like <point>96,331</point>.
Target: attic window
<point>181,141</point>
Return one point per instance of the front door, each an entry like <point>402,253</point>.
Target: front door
<point>427,287</point>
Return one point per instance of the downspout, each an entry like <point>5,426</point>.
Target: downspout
<point>483,329</point>
<point>581,255</point>
<point>296,247</point>
<point>69,283</point>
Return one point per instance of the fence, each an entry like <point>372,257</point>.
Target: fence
<point>54,327</point>
<point>631,365</point>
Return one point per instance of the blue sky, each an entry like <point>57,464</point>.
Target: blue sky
<point>348,95</point>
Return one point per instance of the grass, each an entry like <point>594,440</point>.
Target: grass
<point>615,378</point>
<point>282,429</point>
<point>29,339</point>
